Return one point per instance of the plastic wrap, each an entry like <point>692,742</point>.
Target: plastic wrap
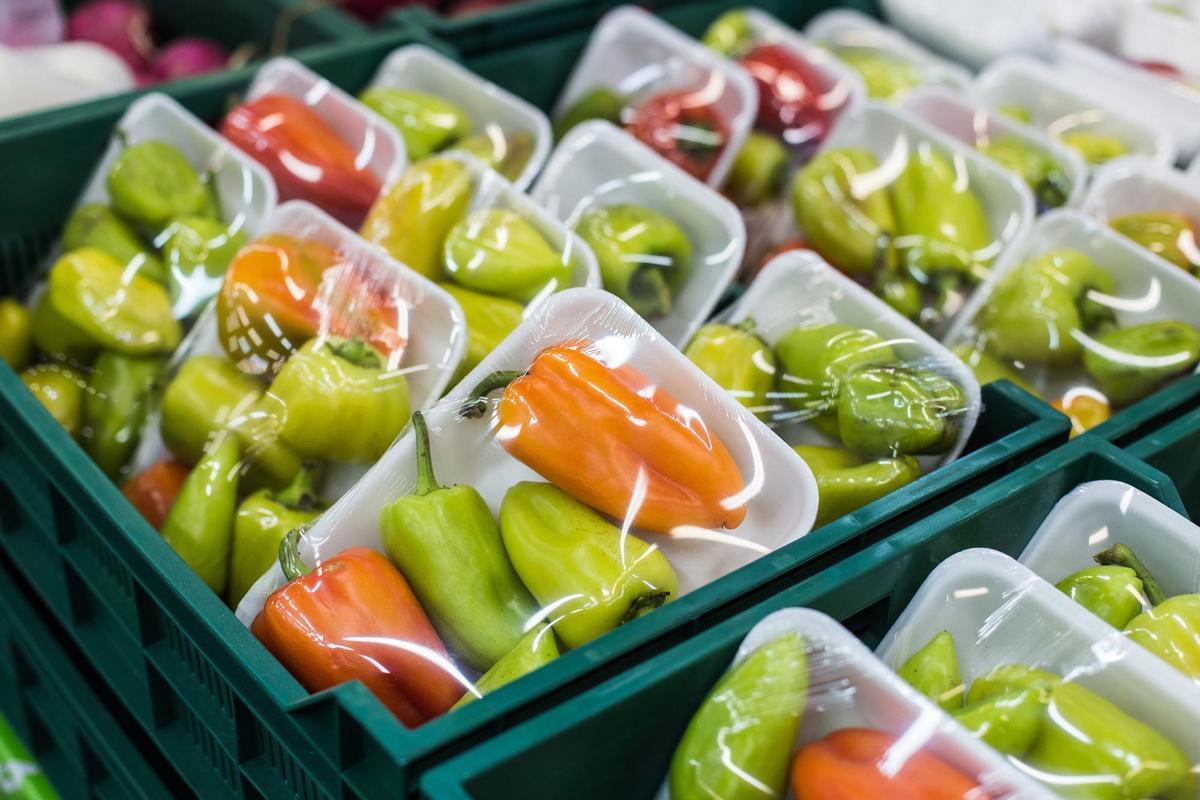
<point>437,105</point>
<point>669,483</point>
<point>1084,117</point>
<point>889,64</point>
<point>806,706</point>
<point>667,244</point>
<point>1066,698</point>
<point>915,215</point>
<point>1151,204</point>
<point>1161,35</point>
<point>675,95</point>
<point>144,249</point>
<point>295,380</point>
<point>1130,560</point>
<point>1054,172</point>
<point>865,396</point>
<point>974,31</point>
<point>318,143</point>
<point>1084,317</point>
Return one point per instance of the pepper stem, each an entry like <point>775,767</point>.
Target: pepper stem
<point>644,605</point>
<point>1120,555</point>
<point>649,292</point>
<point>476,403</point>
<point>748,325</point>
<point>289,554</point>
<point>426,480</point>
<point>301,493</point>
<point>356,351</point>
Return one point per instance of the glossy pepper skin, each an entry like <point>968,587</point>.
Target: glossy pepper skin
<point>507,152</point>
<point>96,225</point>
<point>989,369</point>
<point>448,545</point>
<point>489,321</point>
<point>116,405</point>
<point>760,170</point>
<point>748,722</point>
<point>592,575</point>
<point>599,103</point>
<point>499,252</point>
<point>1169,234</point>
<point>153,490</point>
<point>888,411</point>
<point>635,439</point>
<point>199,526</point>
<point>886,78</point>
<point>847,481</point>
<point>683,127</point>
<point>305,156</point>
<point>1096,148</point>
<point>1112,593</point>
<point>262,520</point>
<point>198,251</point>
<point>427,123</point>
<point>1131,363</point>
<point>645,257</point>
<point>16,334</point>
<point>849,225</point>
<point>152,182</point>
<point>333,379</point>
<point>537,648</point>
<point>738,360</point>
<point>1008,723</point>
<point>849,764</point>
<point>60,390</point>
<point>730,34</point>
<point>790,95</point>
<point>344,621</point>
<point>933,671</point>
<point>412,220</point>
<point>1036,167</point>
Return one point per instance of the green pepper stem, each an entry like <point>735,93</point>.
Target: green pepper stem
<point>1120,555</point>
<point>301,493</point>
<point>748,325</point>
<point>289,554</point>
<point>356,351</point>
<point>476,403</point>
<point>426,480</point>
<point>644,605</point>
<point>649,292</point>
<point>122,138</point>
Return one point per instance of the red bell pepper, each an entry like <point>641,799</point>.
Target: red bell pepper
<point>790,101</point>
<point>354,617</point>
<point>307,159</point>
<point>153,490</point>
<point>684,128</point>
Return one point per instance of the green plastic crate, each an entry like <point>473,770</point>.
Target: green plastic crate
<point>230,718</point>
<point>75,737</point>
<point>1172,449</point>
<point>616,740</point>
<point>1158,410</point>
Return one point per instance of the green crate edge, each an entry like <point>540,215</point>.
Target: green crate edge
<point>1172,449</point>
<point>449,780</point>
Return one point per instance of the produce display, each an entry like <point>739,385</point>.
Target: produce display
<point>1168,234</point>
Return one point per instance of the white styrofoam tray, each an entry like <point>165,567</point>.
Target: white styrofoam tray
<point>597,164</point>
<point>973,32</point>
<point>419,68</point>
<point>1146,33</point>
<point>782,490</point>
<point>799,289</point>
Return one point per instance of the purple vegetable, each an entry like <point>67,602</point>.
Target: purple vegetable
<point>189,55</point>
<point>122,26</point>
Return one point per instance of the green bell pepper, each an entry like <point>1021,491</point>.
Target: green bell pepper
<point>96,225</point>
<point>1112,593</point>
<point>1034,166</point>
<point>427,123</point>
<point>506,152</point>
<point>738,360</point>
<point>201,399</point>
<point>198,251</point>
<point>536,648</point>
<point>1096,148</point>
<point>933,671</point>
<point>489,321</point>
<point>599,103</point>
<point>497,251</point>
<point>739,742</point>
<point>1131,363</point>
<point>1168,234</point>
<point>730,34</point>
<point>446,542</point>
<point>896,410</point>
<point>760,170</point>
<point>1008,723</point>
<point>199,526</point>
<point>847,481</point>
<point>16,334</point>
<point>117,401</point>
<point>886,77</point>
<point>60,390</point>
<point>591,574</point>
<point>151,183</point>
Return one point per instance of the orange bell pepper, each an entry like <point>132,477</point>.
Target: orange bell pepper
<point>305,156</point>
<point>153,490</point>
<point>612,439</point>
<point>355,617</point>
<point>849,765</point>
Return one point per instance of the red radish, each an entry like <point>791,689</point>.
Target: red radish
<point>189,55</point>
<point>122,26</point>
<point>372,10</point>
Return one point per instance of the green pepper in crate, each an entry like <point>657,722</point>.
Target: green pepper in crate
<point>448,545</point>
<point>489,320</point>
<point>263,519</point>
<point>738,360</point>
<point>886,77</point>
<point>934,672</point>
<point>593,575</point>
<point>1034,166</point>
<point>645,257</point>
<point>1169,234</point>
<point>151,183</point>
<point>846,481</point>
<point>96,225</point>
<point>198,251</point>
<point>895,410</point>
<point>427,123</point>
<point>536,648</point>
<point>748,720</point>
<point>115,407</point>
<point>760,169</point>
<point>506,152</point>
<point>497,251</point>
<point>1096,148</point>
<point>1112,593</point>
<point>205,395</point>
<point>16,334</point>
<point>199,526</point>
<point>60,390</point>
<point>729,34</point>
<point>1008,722</point>
<point>599,103</point>
<point>1131,363</point>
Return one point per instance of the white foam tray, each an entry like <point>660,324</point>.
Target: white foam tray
<point>974,32</point>
<point>598,165</point>
<point>782,508</point>
<point>419,68</point>
<point>631,50</point>
<point>799,289</point>
<point>1148,34</point>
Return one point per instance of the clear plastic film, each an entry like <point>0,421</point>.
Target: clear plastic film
<point>144,249</point>
<point>1054,172</point>
<point>584,475</point>
<point>1131,561</point>
<point>1161,36</point>
<point>889,64</point>
<point>1083,317</point>
<point>916,216</point>
<point>1152,205</point>
<point>437,105</point>
<point>685,102</point>
<point>496,251</point>
<point>975,32</point>
<point>1081,115</point>
<point>295,380</point>
<point>868,399</point>
<point>806,711</point>
<point>666,244</point>
<point>318,143</point>
<point>1069,701</point>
